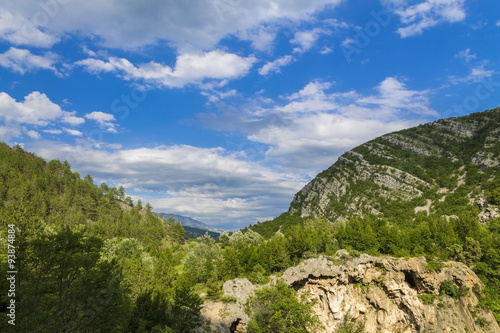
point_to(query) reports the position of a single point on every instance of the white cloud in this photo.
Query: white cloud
(211, 184)
(52, 131)
(22, 61)
(73, 132)
(311, 98)
(261, 37)
(307, 133)
(18, 29)
(426, 14)
(36, 109)
(393, 95)
(466, 55)
(318, 126)
(347, 41)
(326, 50)
(70, 119)
(189, 68)
(199, 24)
(274, 66)
(33, 134)
(103, 119)
(214, 95)
(313, 142)
(9, 132)
(476, 74)
(306, 39)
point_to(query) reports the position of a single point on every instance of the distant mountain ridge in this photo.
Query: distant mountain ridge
(192, 223)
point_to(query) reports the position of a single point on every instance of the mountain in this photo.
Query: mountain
(444, 167)
(193, 227)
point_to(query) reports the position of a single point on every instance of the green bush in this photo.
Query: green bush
(448, 287)
(427, 298)
(434, 266)
(277, 309)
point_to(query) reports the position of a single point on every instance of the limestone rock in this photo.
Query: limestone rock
(386, 294)
(241, 289)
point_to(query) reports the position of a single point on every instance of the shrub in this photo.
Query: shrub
(427, 298)
(448, 287)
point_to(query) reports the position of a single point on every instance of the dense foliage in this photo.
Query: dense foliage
(87, 259)
(90, 260)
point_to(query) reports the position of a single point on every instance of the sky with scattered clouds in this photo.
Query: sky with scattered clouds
(222, 110)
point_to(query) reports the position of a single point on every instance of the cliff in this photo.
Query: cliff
(382, 293)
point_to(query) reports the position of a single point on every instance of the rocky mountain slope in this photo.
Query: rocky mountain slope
(440, 167)
(385, 294)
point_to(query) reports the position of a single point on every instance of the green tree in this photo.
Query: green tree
(66, 288)
(277, 309)
(150, 311)
(185, 310)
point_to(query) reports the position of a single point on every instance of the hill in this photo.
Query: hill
(82, 257)
(442, 168)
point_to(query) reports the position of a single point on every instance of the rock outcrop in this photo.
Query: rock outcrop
(385, 294)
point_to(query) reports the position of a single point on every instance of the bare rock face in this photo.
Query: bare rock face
(241, 289)
(390, 295)
(386, 294)
(221, 316)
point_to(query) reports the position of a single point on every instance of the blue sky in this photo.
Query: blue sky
(223, 109)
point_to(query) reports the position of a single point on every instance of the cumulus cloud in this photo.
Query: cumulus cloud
(274, 66)
(22, 60)
(393, 96)
(8, 132)
(72, 131)
(198, 24)
(189, 68)
(104, 120)
(36, 109)
(426, 14)
(34, 112)
(33, 134)
(52, 131)
(476, 69)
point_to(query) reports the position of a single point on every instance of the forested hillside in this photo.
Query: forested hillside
(87, 259)
(90, 260)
